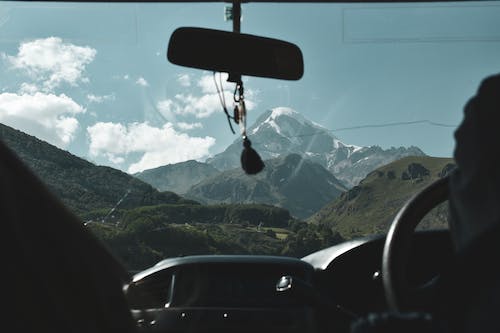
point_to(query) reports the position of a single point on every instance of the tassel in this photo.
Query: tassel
(250, 160)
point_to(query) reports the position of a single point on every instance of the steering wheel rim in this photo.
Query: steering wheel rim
(398, 242)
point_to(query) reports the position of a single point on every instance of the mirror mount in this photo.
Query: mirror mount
(235, 78)
(236, 17)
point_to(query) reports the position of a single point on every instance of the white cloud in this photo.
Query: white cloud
(108, 138)
(188, 126)
(205, 105)
(100, 99)
(116, 159)
(121, 77)
(46, 116)
(167, 108)
(28, 88)
(158, 146)
(201, 107)
(142, 82)
(207, 84)
(51, 62)
(184, 80)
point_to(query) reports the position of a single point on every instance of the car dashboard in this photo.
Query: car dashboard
(239, 293)
(351, 273)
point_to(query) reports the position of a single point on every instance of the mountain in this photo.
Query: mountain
(291, 182)
(370, 207)
(177, 177)
(81, 185)
(148, 225)
(284, 131)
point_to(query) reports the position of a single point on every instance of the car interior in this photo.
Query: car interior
(60, 277)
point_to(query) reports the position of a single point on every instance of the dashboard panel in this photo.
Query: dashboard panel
(350, 273)
(222, 293)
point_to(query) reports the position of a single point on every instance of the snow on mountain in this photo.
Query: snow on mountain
(275, 120)
(282, 131)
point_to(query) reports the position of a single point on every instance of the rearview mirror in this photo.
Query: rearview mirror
(235, 53)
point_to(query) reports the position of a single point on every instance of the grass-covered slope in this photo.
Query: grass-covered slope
(370, 207)
(142, 236)
(81, 185)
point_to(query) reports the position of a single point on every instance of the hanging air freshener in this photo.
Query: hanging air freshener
(250, 160)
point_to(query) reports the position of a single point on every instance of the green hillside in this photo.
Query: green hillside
(148, 225)
(370, 207)
(239, 214)
(81, 185)
(142, 236)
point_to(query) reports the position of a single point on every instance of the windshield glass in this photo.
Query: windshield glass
(154, 169)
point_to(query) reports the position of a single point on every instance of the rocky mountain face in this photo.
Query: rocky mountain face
(292, 182)
(370, 207)
(178, 177)
(284, 131)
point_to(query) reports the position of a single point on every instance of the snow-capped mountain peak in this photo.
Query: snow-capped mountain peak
(337, 144)
(283, 110)
(284, 120)
(282, 131)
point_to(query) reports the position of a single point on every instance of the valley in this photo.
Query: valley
(316, 193)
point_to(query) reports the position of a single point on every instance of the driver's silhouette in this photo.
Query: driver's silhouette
(469, 295)
(473, 295)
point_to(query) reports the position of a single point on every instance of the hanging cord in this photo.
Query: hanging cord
(222, 91)
(240, 110)
(236, 90)
(222, 99)
(251, 162)
(250, 159)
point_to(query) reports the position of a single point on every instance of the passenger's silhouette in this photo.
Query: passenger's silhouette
(56, 276)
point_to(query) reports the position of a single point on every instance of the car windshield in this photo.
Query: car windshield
(153, 168)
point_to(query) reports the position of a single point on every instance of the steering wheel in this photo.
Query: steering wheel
(398, 242)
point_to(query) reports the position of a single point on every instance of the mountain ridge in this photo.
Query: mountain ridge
(291, 182)
(283, 131)
(178, 177)
(80, 184)
(150, 225)
(370, 207)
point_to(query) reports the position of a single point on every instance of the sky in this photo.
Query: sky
(93, 79)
